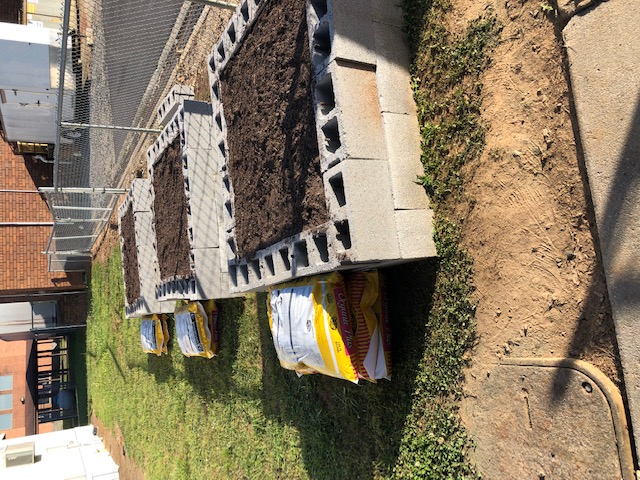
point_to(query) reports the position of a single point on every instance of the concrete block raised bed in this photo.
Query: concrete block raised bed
(368, 144)
(140, 245)
(203, 273)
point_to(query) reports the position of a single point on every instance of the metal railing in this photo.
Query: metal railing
(117, 62)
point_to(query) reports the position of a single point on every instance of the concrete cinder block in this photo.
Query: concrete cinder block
(394, 80)
(367, 206)
(176, 289)
(206, 211)
(196, 122)
(388, 11)
(210, 280)
(170, 104)
(351, 30)
(359, 119)
(415, 234)
(402, 135)
(141, 195)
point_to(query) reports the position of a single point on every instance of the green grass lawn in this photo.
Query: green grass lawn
(240, 415)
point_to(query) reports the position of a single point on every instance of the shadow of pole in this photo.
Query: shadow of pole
(596, 319)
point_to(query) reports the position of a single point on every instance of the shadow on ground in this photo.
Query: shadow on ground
(596, 325)
(347, 430)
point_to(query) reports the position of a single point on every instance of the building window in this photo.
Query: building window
(6, 382)
(6, 401)
(6, 421)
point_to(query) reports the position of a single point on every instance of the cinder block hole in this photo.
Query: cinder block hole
(191, 238)
(256, 2)
(344, 236)
(320, 7)
(219, 121)
(187, 187)
(337, 185)
(233, 274)
(301, 254)
(284, 254)
(255, 267)
(226, 182)
(232, 245)
(332, 135)
(232, 33)
(321, 43)
(185, 162)
(244, 273)
(212, 64)
(221, 51)
(222, 149)
(325, 95)
(189, 210)
(270, 269)
(216, 90)
(228, 208)
(244, 11)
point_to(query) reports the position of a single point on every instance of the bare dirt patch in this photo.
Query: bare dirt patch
(274, 162)
(130, 257)
(170, 214)
(540, 286)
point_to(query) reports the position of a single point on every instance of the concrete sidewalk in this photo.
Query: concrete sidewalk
(604, 57)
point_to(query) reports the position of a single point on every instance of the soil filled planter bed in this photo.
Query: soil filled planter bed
(130, 257)
(316, 133)
(170, 213)
(187, 207)
(139, 264)
(274, 162)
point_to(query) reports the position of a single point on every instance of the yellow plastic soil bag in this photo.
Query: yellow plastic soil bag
(309, 320)
(370, 321)
(154, 334)
(196, 329)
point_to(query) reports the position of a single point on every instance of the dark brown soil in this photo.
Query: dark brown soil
(170, 210)
(130, 257)
(274, 163)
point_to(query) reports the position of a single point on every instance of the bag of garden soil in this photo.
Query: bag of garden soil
(370, 322)
(154, 334)
(310, 324)
(197, 329)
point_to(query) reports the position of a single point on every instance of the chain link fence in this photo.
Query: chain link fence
(118, 60)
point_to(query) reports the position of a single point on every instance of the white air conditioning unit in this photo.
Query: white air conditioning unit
(20, 454)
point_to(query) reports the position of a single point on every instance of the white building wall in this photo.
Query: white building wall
(74, 453)
(29, 64)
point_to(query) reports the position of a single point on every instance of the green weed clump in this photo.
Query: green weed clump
(446, 70)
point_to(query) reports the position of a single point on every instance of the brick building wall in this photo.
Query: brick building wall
(23, 268)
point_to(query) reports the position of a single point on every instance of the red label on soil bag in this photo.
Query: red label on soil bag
(342, 307)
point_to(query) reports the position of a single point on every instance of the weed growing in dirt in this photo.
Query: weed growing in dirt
(446, 71)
